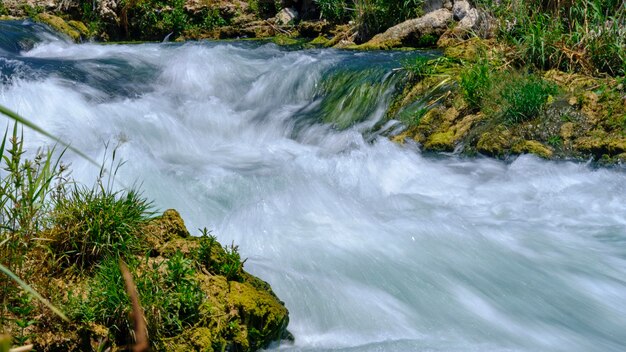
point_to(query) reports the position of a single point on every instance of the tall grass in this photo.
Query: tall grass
(475, 83)
(575, 35)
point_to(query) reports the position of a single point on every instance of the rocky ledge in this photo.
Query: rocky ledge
(194, 294)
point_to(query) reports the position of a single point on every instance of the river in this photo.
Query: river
(372, 245)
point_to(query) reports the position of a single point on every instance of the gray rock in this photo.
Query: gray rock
(286, 16)
(471, 20)
(107, 10)
(408, 32)
(460, 9)
(433, 5)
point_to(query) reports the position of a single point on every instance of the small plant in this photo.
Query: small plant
(475, 83)
(205, 249)
(232, 265)
(555, 141)
(185, 293)
(419, 68)
(22, 308)
(106, 301)
(523, 99)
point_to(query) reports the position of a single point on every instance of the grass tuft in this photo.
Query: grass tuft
(94, 223)
(522, 100)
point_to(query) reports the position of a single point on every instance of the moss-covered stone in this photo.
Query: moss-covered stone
(494, 143)
(441, 141)
(532, 147)
(236, 312)
(59, 24)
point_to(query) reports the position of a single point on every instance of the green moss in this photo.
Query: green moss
(58, 24)
(494, 143)
(80, 27)
(319, 41)
(532, 147)
(284, 40)
(442, 141)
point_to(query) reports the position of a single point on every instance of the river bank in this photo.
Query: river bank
(458, 103)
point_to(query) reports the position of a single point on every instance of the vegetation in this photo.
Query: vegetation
(524, 98)
(475, 83)
(586, 36)
(66, 241)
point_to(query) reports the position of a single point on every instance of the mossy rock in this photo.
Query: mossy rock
(441, 141)
(80, 27)
(602, 144)
(235, 310)
(162, 230)
(495, 143)
(532, 147)
(59, 25)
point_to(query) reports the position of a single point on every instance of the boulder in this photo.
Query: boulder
(412, 32)
(460, 9)
(286, 16)
(470, 20)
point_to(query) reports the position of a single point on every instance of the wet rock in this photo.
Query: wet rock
(532, 147)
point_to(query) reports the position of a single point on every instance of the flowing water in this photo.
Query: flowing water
(372, 246)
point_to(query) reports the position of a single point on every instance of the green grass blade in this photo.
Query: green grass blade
(32, 291)
(13, 115)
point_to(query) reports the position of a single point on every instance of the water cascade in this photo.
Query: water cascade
(373, 246)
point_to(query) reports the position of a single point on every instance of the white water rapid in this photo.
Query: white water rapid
(372, 246)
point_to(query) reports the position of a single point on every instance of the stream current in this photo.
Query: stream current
(371, 245)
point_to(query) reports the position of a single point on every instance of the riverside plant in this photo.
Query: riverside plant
(86, 230)
(523, 100)
(475, 83)
(588, 36)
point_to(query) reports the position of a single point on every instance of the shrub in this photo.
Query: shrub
(333, 10)
(475, 83)
(154, 19)
(523, 99)
(93, 223)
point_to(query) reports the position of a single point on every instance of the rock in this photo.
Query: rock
(107, 10)
(286, 16)
(410, 32)
(58, 24)
(532, 147)
(460, 9)
(162, 230)
(470, 20)
(433, 5)
(313, 29)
